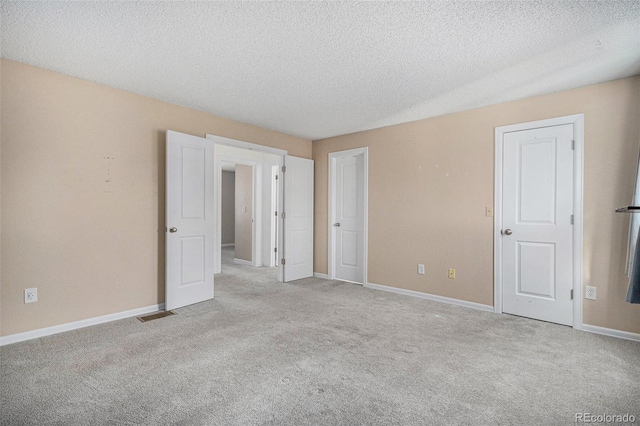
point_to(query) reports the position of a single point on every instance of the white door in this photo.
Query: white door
(348, 218)
(298, 222)
(537, 231)
(190, 220)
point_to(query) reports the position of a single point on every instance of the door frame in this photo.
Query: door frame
(273, 202)
(577, 120)
(256, 224)
(332, 192)
(220, 140)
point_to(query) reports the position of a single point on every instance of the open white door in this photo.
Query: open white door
(190, 220)
(298, 222)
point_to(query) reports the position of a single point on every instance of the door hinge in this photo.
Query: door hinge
(573, 144)
(284, 215)
(282, 261)
(276, 177)
(275, 249)
(571, 294)
(572, 219)
(276, 214)
(284, 169)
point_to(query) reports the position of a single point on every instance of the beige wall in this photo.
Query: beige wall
(430, 181)
(228, 196)
(244, 213)
(82, 195)
(83, 170)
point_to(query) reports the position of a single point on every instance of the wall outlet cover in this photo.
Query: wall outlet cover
(30, 295)
(590, 293)
(420, 269)
(452, 273)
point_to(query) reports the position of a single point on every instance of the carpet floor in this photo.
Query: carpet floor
(317, 352)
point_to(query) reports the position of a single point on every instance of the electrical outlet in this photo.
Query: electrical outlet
(488, 211)
(30, 295)
(452, 273)
(420, 269)
(590, 293)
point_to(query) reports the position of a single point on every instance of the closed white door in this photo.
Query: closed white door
(537, 230)
(348, 218)
(298, 222)
(190, 220)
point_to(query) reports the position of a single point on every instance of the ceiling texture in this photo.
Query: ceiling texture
(320, 69)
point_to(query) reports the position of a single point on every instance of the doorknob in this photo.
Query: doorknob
(507, 232)
(336, 224)
(173, 229)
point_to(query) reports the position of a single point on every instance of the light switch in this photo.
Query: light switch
(420, 269)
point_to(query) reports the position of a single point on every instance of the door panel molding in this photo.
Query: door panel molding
(331, 207)
(577, 121)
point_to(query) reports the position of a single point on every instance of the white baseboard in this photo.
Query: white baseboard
(611, 332)
(48, 331)
(319, 275)
(243, 262)
(430, 297)
(227, 245)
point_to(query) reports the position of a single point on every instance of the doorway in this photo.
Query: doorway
(348, 215)
(538, 220)
(193, 213)
(253, 206)
(270, 203)
(237, 212)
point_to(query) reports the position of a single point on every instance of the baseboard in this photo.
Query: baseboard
(319, 275)
(243, 262)
(433, 297)
(227, 245)
(48, 331)
(611, 332)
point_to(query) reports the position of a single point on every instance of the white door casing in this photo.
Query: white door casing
(298, 222)
(189, 220)
(273, 214)
(538, 220)
(249, 153)
(347, 216)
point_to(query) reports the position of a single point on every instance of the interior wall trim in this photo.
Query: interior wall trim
(48, 331)
(611, 332)
(429, 296)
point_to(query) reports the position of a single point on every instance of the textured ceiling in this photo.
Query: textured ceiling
(319, 69)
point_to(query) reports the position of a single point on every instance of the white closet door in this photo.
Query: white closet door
(348, 222)
(537, 230)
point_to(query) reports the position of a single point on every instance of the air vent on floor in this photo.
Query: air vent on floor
(155, 316)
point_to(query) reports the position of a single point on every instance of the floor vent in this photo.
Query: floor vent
(155, 316)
